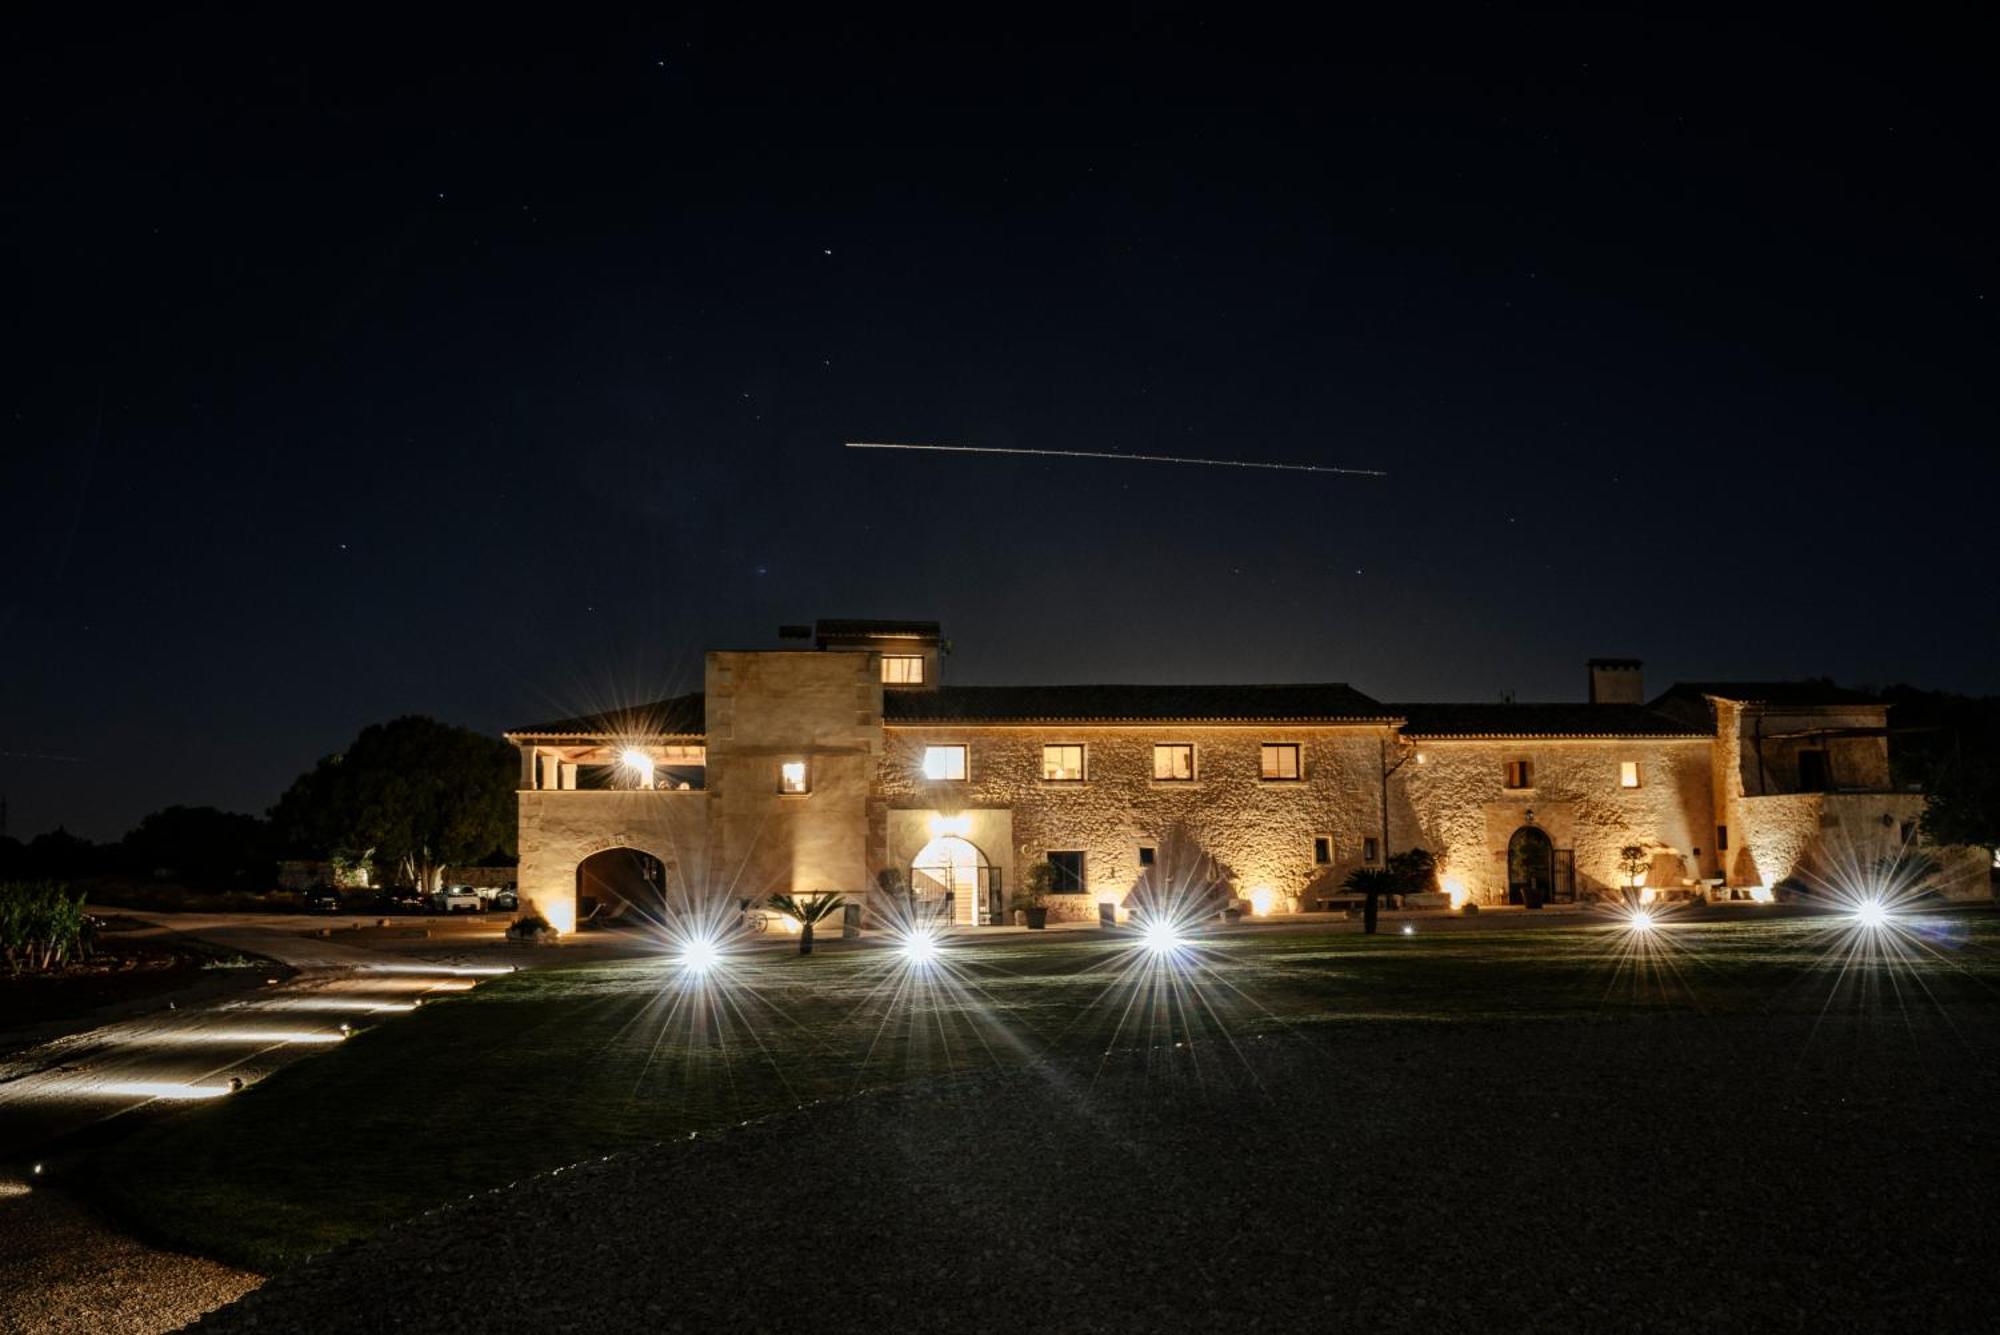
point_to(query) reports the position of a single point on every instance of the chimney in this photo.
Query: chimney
(1616, 681)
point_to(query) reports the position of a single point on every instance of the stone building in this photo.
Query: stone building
(821, 768)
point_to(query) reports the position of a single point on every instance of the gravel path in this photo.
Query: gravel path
(62, 1269)
(1638, 1174)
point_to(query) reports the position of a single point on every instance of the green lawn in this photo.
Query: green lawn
(546, 1067)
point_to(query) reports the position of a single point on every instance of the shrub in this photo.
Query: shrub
(530, 926)
(41, 924)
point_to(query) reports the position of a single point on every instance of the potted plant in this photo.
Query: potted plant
(1032, 899)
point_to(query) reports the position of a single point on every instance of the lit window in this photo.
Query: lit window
(792, 777)
(1519, 775)
(1280, 760)
(1068, 879)
(1322, 850)
(902, 669)
(944, 762)
(1062, 763)
(1628, 774)
(1173, 762)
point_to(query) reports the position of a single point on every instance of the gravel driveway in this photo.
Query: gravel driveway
(1663, 1173)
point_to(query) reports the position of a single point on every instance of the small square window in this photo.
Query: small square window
(944, 762)
(1173, 762)
(1279, 760)
(1322, 850)
(1519, 774)
(902, 669)
(1146, 855)
(792, 777)
(1062, 763)
(1628, 774)
(1370, 850)
(1068, 879)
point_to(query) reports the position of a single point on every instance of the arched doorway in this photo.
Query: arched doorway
(620, 883)
(1531, 867)
(948, 879)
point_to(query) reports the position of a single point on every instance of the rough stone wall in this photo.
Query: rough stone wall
(1262, 831)
(823, 707)
(559, 829)
(1456, 804)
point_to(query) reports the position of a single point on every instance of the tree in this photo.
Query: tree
(1950, 746)
(806, 910)
(414, 794)
(1633, 860)
(201, 847)
(1371, 883)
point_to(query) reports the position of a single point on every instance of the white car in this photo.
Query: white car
(455, 897)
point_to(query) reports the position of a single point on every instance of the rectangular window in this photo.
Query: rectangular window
(792, 777)
(1279, 760)
(1370, 850)
(1146, 855)
(902, 669)
(1722, 838)
(1068, 879)
(1628, 774)
(1519, 775)
(1322, 850)
(1173, 762)
(1062, 763)
(944, 762)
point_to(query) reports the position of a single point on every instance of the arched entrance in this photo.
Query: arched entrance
(948, 879)
(1531, 867)
(620, 883)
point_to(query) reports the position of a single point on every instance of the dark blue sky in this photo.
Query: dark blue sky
(363, 370)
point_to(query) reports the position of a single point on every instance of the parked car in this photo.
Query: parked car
(323, 899)
(506, 900)
(455, 897)
(403, 899)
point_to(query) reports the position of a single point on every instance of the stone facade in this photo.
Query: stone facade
(1676, 777)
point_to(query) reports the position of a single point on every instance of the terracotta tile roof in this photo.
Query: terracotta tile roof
(1540, 720)
(1333, 702)
(679, 717)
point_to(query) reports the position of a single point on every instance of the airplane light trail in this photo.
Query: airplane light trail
(1124, 458)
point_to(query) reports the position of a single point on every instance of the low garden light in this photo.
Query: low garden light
(700, 955)
(921, 947)
(1409, 929)
(1871, 913)
(1641, 921)
(1162, 938)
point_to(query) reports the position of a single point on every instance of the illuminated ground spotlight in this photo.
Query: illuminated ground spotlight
(1640, 921)
(700, 954)
(1163, 938)
(173, 1091)
(1409, 929)
(260, 1037)
(921, 946)
(458, 970)
(1871, 913)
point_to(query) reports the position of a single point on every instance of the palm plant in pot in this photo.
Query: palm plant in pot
(1032, 899)
(806, 910)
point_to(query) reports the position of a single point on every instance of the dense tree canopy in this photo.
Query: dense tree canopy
(202, 847)
(1950, 744)
(414, 794)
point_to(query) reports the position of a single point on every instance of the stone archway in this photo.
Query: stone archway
(627, 884)
(949, 877)
(1531, 867)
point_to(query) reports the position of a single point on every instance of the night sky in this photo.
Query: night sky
(497, 372)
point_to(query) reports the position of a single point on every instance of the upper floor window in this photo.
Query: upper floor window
(1628, 774)
(902, 669)
(1279, 760)
(1062, 762)
(1173, 762)
(944, 762)
(1520, 774)
(1147, 855)
(792, 777)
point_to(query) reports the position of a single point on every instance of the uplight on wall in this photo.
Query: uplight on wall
(1262, 900)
